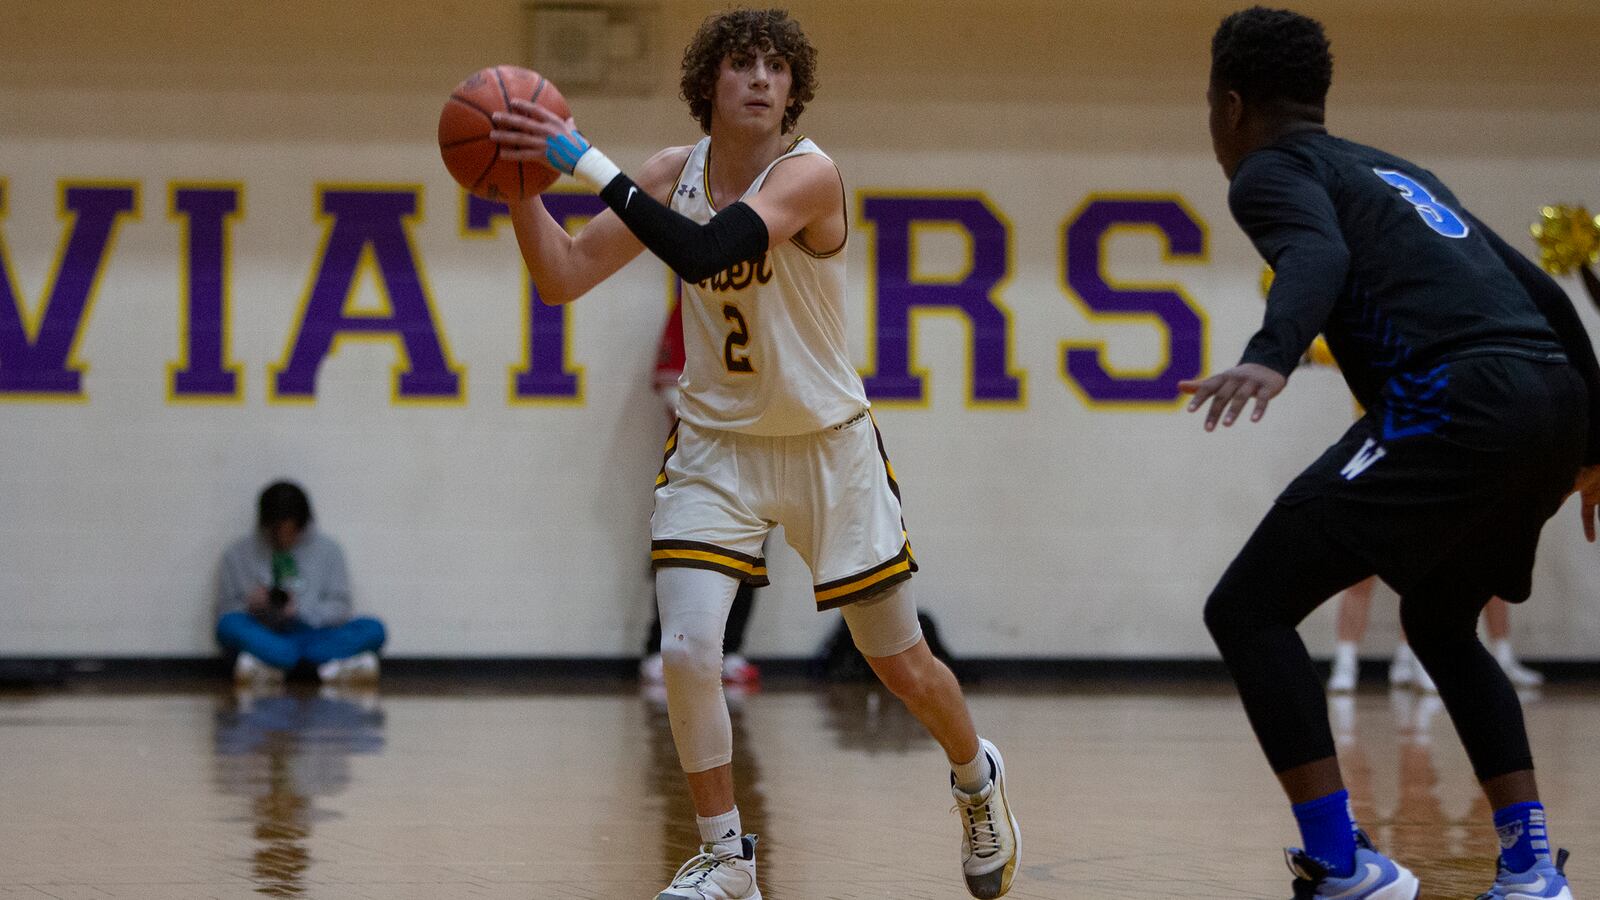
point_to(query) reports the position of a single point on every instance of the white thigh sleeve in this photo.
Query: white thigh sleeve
(886, 624)
(694, 606)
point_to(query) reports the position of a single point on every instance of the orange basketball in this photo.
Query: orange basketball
(464, 125)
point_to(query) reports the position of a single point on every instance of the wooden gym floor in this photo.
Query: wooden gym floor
(422, 792)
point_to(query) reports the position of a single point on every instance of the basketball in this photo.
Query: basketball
(464, 125)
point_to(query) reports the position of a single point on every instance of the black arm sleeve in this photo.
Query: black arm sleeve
(696, 252)
(1290, 218)
(1557, 308)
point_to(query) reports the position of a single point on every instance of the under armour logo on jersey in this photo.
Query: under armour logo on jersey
(688, 190)
(1369, 453)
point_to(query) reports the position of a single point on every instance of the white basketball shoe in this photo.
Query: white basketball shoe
(991, 842)
(709, 875)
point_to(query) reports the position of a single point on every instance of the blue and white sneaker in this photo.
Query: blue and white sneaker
(1377, 877)
(1545, 880)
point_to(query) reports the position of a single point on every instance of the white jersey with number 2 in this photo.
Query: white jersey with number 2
(764, 341)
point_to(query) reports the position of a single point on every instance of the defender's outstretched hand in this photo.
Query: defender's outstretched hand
(532, 133)
(1587, 488)
(1229, 391)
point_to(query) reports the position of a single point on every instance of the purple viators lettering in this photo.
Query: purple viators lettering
(363, 218)
(546, 375)
(203, 373)
(41, 363)
(899, 295)
(1185, 328)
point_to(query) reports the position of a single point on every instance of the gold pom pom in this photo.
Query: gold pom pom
(1568, 238)
(1266, 280)
(1320, 354)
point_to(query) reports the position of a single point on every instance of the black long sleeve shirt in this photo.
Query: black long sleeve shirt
(1378, 255)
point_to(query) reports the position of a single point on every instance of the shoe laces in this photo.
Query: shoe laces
(694, 873)
(979, 820)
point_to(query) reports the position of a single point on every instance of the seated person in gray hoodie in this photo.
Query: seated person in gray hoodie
(284, 598)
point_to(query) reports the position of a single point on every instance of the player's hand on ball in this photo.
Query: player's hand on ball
(1229, 391)
(530, 132)
(1588, 490)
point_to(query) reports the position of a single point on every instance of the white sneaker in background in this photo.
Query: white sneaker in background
(1346, 668)
(331, 671)
(1404, 668)
(361, 668)
(1424, 681)
(651, 670)
(249, 669)
(1520, 675)
(738, 670)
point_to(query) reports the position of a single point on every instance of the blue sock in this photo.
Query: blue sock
(1329, 832)
(1522, 835)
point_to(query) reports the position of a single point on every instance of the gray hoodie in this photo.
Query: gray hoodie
(321, 589)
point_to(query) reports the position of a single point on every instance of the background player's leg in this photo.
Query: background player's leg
(737, 670)
(1355, 607)
(1497, 622)
(738, 618)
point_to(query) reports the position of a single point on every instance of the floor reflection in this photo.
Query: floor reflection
(283, 750)
(867, 717)
(679, 835)
(1442, 832)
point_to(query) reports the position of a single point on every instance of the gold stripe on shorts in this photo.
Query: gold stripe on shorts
(666, 454)
(699, 555)
(865, 584)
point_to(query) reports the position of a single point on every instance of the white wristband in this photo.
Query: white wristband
(595, 170)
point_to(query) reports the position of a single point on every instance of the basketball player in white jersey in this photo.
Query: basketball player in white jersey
(774, 424)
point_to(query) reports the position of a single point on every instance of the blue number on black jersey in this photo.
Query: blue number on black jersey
(1439, 217)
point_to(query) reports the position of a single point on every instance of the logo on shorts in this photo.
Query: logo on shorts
(1369, 453)
(850, 421)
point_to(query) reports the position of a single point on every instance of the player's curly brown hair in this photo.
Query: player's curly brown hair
(743, 31)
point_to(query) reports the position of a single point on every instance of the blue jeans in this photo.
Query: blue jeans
(297, 641)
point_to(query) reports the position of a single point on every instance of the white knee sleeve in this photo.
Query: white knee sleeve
(694, 606)
(886, 624)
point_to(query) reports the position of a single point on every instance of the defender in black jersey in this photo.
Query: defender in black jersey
(1483, 413)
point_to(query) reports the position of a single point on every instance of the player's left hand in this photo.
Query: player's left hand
(1229, 391)
(532, 133)
(1588, 489)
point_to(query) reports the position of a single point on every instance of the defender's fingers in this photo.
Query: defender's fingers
(1219, 402)
(1262, 399)
(1202, 390)
(1240, 398)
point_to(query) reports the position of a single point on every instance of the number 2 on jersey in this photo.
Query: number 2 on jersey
(733, 349)
(1434, 213)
